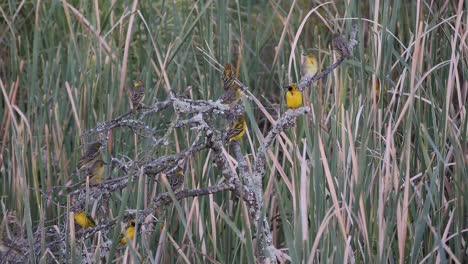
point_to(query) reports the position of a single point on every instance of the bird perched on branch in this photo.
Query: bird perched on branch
(96, 172)
(237, 129)
(91, 154)
(176, 179)
(136, 94)
(83, 219)
(228, 76)
(232, 91)
(293, 96)
(309, 66)
(339, 44)
(129, 233)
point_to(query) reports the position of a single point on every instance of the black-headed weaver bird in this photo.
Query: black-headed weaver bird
(83, 219)
(293, 96)
(237, 129)
(136, 94)
(90, 156)
(309, 66)
(96, 172)
(129, 232)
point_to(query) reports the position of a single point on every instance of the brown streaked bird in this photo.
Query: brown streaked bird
(176, 179)
(232, 91)
(136, 94)
(232, 95)
(91, 154)
(339, 44)
(228, 76)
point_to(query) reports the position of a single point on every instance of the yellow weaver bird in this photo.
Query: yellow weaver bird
(83, 219)
(136, 94)
(237, 129)
(293, 96)
(232, 91)
(176, 179)
(96, 172)
(309, 66)
(91, 154)
(129, 233)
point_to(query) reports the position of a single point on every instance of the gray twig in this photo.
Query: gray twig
(165, 198)
(306, 82)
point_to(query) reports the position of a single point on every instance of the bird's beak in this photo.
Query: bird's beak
(286, 87)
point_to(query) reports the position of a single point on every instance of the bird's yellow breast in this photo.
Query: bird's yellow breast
(100, 173)
(293, 99)
(83, 219)
(309, 66)
(241, 127)
(130, 232)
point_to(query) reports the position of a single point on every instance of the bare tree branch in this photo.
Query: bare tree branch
(306, 82)
(165, 198)
(199, 116)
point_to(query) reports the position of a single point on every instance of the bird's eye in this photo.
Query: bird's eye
(289, 88)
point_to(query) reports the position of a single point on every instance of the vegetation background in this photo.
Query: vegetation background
(387, 134)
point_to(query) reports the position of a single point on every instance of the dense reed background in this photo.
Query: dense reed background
(374, 174)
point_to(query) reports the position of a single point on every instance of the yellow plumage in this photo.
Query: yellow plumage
(96, 172)
(129, 232)
(91, 154)
(309, 65)
(237, 129)
(293, 96)
(83, 219)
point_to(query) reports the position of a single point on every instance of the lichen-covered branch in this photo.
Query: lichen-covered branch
(267, 250)
(150, 168)
(198, 117)
(19, 250)
(165, 198)
(348, 45)
(128, 120)
(262, 227)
